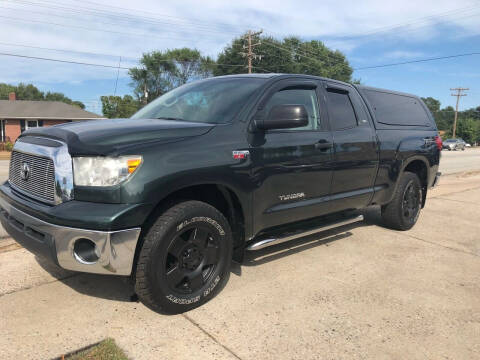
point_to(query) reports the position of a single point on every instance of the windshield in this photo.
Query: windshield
(208, 101)
(450, 140)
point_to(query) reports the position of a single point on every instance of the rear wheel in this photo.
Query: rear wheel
(185, 258)
(404, 209)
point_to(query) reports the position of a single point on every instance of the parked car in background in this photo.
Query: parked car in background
(454, 144)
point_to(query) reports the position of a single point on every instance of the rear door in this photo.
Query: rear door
(355, 148)
(292, 167)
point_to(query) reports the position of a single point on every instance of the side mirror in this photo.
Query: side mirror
(284, 117)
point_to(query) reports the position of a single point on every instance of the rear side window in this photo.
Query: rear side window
(395, 109)
(340, 110)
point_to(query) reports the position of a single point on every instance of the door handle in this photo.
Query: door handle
(323, 145)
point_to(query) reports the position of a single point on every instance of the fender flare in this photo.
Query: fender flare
(405, 162)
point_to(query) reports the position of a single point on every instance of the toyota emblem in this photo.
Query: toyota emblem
(25, 171)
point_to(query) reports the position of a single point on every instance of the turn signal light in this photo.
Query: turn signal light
(133, 164)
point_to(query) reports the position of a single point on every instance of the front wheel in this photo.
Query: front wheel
(404, 209)
(185, 258)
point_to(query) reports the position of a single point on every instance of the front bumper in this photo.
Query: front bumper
(114, 250)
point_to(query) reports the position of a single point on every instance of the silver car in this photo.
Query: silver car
(454, 144)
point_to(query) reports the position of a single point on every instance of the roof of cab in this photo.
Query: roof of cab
(363, 87)
(280, 75)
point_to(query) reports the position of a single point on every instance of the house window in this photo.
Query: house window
(31, 124)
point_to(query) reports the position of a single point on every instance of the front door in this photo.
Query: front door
(291, 167)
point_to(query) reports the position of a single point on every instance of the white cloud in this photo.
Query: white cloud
(206, 25)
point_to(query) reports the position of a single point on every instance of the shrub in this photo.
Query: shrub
(8, 146)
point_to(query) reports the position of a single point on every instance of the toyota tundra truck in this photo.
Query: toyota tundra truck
(213, 169)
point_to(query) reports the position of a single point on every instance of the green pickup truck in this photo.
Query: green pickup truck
(212, 169)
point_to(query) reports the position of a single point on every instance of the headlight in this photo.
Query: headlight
(104, 171)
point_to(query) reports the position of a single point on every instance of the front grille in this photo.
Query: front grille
(41, 177)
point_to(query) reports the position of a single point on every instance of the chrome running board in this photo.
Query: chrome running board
(260, 244)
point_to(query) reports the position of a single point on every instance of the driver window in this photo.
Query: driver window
(305, 97)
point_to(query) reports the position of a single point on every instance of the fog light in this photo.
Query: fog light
(84, 251)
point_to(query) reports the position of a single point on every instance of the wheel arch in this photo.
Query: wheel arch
(220, 196)
(417, 165)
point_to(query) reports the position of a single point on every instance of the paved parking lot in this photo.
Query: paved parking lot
(361, 291)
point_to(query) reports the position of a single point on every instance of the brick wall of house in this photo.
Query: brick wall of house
(12, 129)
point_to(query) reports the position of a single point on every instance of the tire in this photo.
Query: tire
(185, 258)
(404, 209)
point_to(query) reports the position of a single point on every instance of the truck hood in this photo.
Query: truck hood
(107, 137)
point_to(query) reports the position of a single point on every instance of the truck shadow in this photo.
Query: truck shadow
(109, 287)
(276, 252)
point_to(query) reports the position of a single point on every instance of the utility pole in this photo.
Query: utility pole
(250, 55)
(458, 95)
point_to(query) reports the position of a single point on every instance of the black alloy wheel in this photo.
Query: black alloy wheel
(192, 258)
(185, 258)
(411, 202)
(403, 211)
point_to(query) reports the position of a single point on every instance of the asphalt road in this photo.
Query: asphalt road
(451, 162)
(460, 161)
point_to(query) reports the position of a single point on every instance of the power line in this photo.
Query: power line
(117, 14)
(298, 53)
(96, 64)
(417, 61)
(101, 13)
(205, 23)
(91, 29)
(209, 25)
(65, 61)
(66, 50)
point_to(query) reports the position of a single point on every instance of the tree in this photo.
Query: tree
(31, 92)
(162, 71)
(432, 104)
(290, 55)
(467, 129)
(444, 119)
(118, 107)
(60, 97)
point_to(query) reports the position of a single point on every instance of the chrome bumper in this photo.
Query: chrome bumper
(115, 249)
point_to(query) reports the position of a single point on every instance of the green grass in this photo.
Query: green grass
(105, 350)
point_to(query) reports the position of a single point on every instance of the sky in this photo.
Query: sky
(368, 32)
